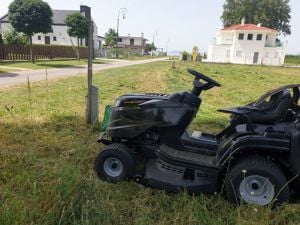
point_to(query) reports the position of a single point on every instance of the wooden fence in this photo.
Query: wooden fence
(22, 52)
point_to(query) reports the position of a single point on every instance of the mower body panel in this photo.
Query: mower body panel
(133, 115)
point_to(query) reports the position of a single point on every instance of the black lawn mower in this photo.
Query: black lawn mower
(255, 159)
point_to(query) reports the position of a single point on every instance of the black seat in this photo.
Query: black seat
(269, 111)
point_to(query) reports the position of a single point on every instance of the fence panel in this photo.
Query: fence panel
(22, 52)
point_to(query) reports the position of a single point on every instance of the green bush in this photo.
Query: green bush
(185, 55)
(1, 40)
(14, 38)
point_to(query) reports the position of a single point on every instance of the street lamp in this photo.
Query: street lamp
(122, 11)
(167, 42)
(154, 34)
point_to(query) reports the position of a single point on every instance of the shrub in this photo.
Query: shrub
(185, 55)
(13, 37)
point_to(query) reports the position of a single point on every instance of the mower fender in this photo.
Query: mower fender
(253, 144)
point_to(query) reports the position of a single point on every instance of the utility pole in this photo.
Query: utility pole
(167, 42)
(93, 92)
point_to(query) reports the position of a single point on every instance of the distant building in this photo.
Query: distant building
(247, 44)
(59, 36)
(135, 44)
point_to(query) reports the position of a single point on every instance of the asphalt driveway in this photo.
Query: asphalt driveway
(20, 77)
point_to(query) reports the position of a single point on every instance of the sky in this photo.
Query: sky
(175, 24)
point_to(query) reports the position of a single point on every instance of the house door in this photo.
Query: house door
(255, 57)
(47, 40)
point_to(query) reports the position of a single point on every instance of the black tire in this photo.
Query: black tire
(115, 163)
(256, 180)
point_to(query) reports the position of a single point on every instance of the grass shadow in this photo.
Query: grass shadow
(7, 74)
(52, 65)
(100, 62)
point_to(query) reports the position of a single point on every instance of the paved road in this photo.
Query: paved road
(20, 77)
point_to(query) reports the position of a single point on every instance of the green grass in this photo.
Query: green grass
(292, 59)
(47, 151)
(41, 64)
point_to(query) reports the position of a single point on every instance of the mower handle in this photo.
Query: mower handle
(198, 86)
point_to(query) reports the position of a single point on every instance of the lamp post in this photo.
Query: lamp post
(167, 42)
(122, 11)
(154, 34)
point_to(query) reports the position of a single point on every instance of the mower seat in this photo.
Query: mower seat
(269, 111)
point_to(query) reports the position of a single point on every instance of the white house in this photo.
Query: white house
(137, 44)
(59, 36)
(247, 44)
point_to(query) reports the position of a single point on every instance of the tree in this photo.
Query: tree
(30, 17)
(78, 26)
(1, 40)
(15, 38)
(150, 47)
(111, 37)
(270, 13)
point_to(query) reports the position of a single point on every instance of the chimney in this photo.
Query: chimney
(142, 35)
(243, 21)
(128, 35)
(259, 25)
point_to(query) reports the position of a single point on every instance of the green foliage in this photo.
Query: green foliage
(195, 50)
(13, 37)
(271, 13)
(77, 25)
(111, 37)
(150, 47)
(1, 40)
(30, 16)
(184, 55)
(204, 55)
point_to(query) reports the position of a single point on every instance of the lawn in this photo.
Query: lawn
(41, 64)
(292, 59)
(47, 151)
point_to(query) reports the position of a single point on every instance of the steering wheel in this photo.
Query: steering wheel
(198, 86)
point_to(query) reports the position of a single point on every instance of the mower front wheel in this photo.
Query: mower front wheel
(115, 163)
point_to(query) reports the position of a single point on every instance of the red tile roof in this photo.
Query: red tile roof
(248, 27)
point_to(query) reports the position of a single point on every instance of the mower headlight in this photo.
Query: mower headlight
(117, 103)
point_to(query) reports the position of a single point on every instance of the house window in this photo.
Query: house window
(54, 38)
(120, 40)
(250, 37)
(131, 41)
(238, 53)
(259, 37)
(241, 36)
(39, 38)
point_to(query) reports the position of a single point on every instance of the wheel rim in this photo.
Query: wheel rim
(113, 167)
(257, 190)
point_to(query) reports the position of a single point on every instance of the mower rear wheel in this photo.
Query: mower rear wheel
(115, 163)
(256, 180)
